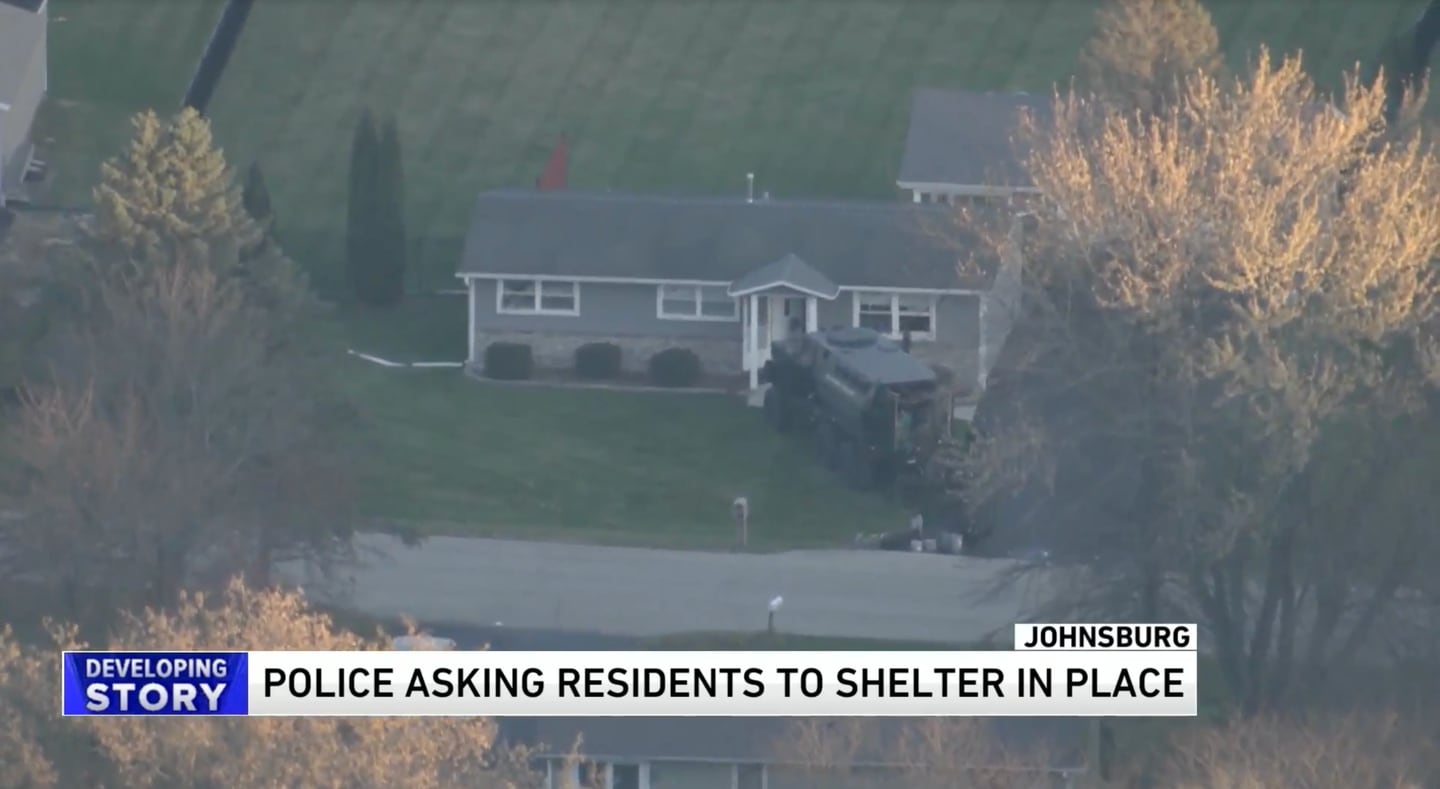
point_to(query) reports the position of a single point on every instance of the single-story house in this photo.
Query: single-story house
(752, 753)
(963, 145)
(24, 78)
(725, 277)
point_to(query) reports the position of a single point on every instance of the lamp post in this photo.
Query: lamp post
(774, 606)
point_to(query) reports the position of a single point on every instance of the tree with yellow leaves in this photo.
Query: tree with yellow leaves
(172, 193)
(39, 750)
(1216, 403)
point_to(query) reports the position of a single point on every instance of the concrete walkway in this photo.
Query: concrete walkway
(646, 592)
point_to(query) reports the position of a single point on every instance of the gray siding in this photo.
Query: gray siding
(625, 314)
(621, 313)
(606, 310)
(690, 775)
(23, 106)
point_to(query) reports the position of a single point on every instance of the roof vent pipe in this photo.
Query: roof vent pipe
(749, 187)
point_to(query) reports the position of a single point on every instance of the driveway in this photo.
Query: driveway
(641, 592)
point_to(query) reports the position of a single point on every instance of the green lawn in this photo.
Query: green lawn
(452, 455)
(682, 95)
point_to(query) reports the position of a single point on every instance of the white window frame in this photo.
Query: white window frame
(538, 297)
(697, 299)
(895, 298)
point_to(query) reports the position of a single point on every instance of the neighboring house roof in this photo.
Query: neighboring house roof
(21, 31)
(755, 740)
(969, 139)
(789, 272)
(581, 234)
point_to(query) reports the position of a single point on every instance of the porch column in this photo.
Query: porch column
(812, 314)
(753, 340)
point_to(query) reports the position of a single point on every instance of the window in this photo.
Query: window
(538, 297)
(697, 303)
(894, 314)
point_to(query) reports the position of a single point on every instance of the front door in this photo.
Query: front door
(787, 316)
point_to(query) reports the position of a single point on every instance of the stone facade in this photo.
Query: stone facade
(556, 351)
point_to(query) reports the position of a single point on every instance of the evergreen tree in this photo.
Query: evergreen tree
(362, 262)
(171, 195)
(255, 196)
(390, 215)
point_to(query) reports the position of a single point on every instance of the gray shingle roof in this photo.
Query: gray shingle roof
(20, 32)
(1060, 741)
(789, 271)
(960, 137)
(714, 239)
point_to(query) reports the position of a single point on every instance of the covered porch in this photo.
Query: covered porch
(777, 300)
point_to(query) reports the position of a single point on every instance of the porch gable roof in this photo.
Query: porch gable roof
(787, 272)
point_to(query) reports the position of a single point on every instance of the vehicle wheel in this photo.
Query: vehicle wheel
(775, 410)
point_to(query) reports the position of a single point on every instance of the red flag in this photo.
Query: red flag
(555, 170)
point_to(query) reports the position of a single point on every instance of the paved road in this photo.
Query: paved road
(645, 592)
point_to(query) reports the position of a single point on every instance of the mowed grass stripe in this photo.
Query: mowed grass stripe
(753, 145)
(862, 43)
(313, 146)
(721, 127)
(699, 163)
(376, 83)
(281, 43)
(660, 34)
(1362, 31)
(540, 77)
(891, 106)
(464, 35)
(540, 149)
(107, 62)
(1008, 44)
(386, 82)
(643, 159)
(459, 57)
(607, 48)
(689, 93)
(957, 49)
(505, 82)
(781, 107)
(562, 115)
(1053, 47)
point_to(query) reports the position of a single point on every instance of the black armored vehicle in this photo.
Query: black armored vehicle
(870, 407)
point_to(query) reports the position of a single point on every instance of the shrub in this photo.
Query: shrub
(509, 361)
(597, 360)
(675, 367)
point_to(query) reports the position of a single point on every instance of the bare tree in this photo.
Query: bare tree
(1372, 751)
(169, 443)
(175, 431)
(1142, 49)
(1228, 314)
(218, 752)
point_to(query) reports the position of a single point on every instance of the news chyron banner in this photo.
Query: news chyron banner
(1053, 670)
